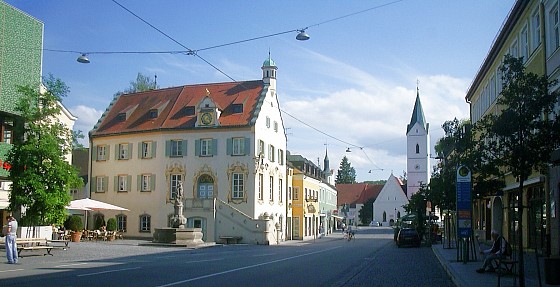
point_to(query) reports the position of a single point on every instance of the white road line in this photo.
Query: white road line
(66, 265)
(207, 260)
(108, 271)
(13, 270)
(246, 267)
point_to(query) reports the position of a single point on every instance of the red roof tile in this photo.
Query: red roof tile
(357, 193)
(171, 104)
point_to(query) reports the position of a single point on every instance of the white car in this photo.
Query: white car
(375, 223)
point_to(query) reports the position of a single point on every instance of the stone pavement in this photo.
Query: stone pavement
(464, 275)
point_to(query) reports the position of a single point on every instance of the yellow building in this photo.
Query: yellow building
(521, 35)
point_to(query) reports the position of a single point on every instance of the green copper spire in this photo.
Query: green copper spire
(417, 114)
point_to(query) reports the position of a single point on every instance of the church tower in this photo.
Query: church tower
(327, 169)
(418, 149)
(269, 72)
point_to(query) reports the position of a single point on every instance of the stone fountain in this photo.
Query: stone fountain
(178, 234)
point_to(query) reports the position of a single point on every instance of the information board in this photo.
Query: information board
(464, 202)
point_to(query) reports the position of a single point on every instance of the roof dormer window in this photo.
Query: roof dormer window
(189, 110)
(153, 113)
(237, 108)
(121, 117)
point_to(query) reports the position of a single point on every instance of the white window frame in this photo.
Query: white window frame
(238, 146)
(146, 182)
(147, 149)
(261, 148)
(174, 180)
(121, 222)
(535, 30)
(268, 122)
(261, 183)
(237, 185)
(280, 188)
(524, 38)
(275, 126)
(206, 147)
(101, 184)
(123, 151)
(145, 223)
(101, 152)
(554, 30)
(281, 156)
(271, 153)
(176, 148)
(122, 181)
(271, 189)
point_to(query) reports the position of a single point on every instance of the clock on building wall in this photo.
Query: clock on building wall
(206, 118)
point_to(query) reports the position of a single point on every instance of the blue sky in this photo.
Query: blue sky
(355, 79)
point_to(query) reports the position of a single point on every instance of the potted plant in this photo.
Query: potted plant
(111, 227)
(76, 225)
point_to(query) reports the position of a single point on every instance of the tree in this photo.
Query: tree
(366, 212)
(521, 137)
(346, 173)
(142, 83)
(41, 177)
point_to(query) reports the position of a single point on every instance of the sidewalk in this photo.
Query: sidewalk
(464, 275)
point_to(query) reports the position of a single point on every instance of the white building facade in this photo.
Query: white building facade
(418, 150)
(223, 142)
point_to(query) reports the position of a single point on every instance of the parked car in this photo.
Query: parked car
(375, 223)
(408, 236)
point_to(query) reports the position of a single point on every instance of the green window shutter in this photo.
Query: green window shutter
(214, 146)
(229, 146)
(116, 151)
(167, 148)
(129, 155)
(105, 183)
(153, 182)
(116, 186)
(154, 148)
(94, 184)
(94, 153)
(139, 182)
(247, 146)
(140, 150)
(128, 182)
(107, 153)
(197, 147)
(184, 147)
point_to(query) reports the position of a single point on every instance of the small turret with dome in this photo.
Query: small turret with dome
(269, 71)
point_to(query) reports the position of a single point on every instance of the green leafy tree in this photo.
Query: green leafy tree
(142, 83)
(521, 137)
(366, 212)
(41, 177)
(346, 173)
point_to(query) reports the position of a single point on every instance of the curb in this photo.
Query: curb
(456, 280)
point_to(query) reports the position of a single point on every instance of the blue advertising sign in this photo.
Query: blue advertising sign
(464, 205)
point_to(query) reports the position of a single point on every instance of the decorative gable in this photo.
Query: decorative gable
(208, 112)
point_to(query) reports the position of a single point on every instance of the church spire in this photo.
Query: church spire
(326, 164)
(417, 113)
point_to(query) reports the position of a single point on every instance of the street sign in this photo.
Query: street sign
(464, 204)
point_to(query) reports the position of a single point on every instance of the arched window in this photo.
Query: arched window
(205, 186)
(384, 216)
(417, 148)
(398, 214)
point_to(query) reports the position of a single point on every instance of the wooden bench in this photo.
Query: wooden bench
(233, 239)
(33, 244)
(64, 243)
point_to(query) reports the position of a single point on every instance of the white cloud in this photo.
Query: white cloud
(87, 118)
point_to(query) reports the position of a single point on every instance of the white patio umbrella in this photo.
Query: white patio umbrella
(88, 204)
(92, 204)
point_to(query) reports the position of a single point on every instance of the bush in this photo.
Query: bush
(111, 224)
(74, 223)
(99, 222)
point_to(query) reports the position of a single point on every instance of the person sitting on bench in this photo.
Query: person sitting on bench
(497, 251)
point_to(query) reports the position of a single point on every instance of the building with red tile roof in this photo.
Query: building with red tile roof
(224, 142)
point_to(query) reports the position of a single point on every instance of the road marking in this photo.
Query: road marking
(246, 267)
(108, 271)
(66, 265)
(13, 270)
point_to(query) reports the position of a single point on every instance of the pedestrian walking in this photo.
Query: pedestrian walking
(11, 247)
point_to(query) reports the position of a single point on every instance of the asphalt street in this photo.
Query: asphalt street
(371, 259)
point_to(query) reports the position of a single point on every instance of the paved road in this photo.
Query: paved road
(371, 259)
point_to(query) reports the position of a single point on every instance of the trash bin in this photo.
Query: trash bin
(551, 267)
